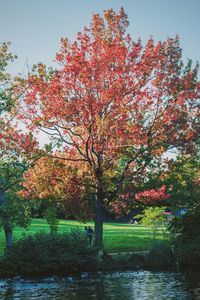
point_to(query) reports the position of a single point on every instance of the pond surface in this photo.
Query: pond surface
(129, 285)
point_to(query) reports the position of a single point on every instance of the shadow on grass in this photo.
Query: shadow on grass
(130, 244)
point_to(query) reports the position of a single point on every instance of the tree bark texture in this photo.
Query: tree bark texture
(7, 228)
(99, 218)
(8, 236)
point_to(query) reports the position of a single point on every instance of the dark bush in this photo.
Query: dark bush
(43, 254)
(137, 260)
(186, 237)
(161, 255)
(122, 261)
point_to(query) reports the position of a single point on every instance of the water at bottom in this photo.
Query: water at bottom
(129, 285)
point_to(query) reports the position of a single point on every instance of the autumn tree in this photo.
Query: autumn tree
(113, 104)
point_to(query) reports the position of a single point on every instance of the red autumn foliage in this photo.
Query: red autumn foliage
(153, 195)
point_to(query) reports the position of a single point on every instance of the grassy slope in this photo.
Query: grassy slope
(117, 236)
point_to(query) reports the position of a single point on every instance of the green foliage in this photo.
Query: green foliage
(49, 254)
(183, 177)
(155, 218)
(11, 169)
(14, 211)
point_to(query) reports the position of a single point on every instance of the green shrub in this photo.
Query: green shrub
(49, 254)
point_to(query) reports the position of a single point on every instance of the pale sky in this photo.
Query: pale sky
(34, 27)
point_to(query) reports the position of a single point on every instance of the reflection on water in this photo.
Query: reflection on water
(139, 285)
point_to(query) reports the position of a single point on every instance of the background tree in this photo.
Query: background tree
(179, 176)
(185, 229)
(14, 212)
(64, 188)
(6, 102)
(113, 105)
(183, 178)
(14, 146)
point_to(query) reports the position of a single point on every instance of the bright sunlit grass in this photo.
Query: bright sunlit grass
(118, 237)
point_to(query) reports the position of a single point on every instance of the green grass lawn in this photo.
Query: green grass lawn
(118, 237)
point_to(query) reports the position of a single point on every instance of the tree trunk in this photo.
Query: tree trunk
(99, 218)
(1, 197)
(6, 226)
(8, 236)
